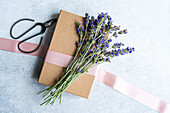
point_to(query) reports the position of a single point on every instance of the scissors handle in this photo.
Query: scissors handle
(28, 39)
(37, 24)
(43, 28)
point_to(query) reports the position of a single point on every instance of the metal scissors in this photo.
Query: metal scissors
(43, 26)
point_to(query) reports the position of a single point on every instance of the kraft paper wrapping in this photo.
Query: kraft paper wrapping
(64, 41)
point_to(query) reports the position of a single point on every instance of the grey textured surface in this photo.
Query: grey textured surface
(148, 68)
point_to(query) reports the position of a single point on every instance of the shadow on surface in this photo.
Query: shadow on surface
(46, 40)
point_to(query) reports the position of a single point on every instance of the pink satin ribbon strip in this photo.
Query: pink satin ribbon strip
(101, 75)
(132, 91)
(62, 60)
(12, 46)
(57, 58)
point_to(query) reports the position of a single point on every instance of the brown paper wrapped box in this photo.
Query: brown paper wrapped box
(64, 41)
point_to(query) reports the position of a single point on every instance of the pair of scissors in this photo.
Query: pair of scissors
(43, 26)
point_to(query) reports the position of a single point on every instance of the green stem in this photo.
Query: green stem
(79, 48)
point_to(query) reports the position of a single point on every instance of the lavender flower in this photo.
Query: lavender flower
(93, 48)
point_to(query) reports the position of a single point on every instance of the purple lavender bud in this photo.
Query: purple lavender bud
(81, 29)
(102, 36)
(115, 34)
(107, 46)
(110, 40)
(86, 14)
(78, 23)
(125, 31)
(96, 62)
(133, 49)
(107, 59)
(122, 53)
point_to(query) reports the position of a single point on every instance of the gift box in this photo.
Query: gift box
(64, 41)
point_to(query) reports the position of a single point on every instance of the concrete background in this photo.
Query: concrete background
(148, 68)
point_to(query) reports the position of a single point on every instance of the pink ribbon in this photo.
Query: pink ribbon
(101, 75)
(132, 91)
(12, 46)
(63, 60)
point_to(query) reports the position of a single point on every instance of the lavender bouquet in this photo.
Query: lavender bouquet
(94, 47)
